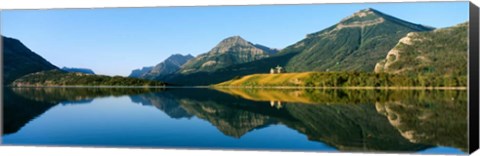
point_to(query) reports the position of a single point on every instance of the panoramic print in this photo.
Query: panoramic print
(372, 77)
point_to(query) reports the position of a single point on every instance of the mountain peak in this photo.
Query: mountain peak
(234, 40)
(230, 42)
(365, 17)
(369, 17)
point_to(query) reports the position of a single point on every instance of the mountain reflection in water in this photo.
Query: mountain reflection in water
(346, 120)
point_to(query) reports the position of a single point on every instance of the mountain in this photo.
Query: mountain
(78, 70)
(18, 60)
(440, 52)
(169, 66)
(356, 43)
(230, 51)
(138, 73)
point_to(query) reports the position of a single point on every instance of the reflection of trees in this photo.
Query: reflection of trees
(77, 94)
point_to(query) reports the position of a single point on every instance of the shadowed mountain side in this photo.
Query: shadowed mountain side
(19, 60)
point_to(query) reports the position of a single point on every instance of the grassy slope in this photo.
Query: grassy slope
(344, 79)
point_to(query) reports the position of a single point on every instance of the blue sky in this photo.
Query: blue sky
(115, 41)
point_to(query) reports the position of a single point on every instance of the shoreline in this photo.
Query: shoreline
(260, 87)
(353, 87)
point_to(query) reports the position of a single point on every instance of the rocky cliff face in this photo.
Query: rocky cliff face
(230, 51)
(441, 52)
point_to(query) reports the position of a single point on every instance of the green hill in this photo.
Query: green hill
(62, 78)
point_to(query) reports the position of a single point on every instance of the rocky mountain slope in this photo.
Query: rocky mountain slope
(440, 52)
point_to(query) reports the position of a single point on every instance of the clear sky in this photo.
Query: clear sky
(117, 40)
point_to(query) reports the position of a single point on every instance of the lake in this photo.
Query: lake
(328, 120)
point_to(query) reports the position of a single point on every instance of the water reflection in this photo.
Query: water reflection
(348, 120)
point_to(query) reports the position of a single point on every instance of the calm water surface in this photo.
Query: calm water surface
(418, 121)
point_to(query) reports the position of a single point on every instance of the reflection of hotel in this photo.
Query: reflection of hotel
(277, 104)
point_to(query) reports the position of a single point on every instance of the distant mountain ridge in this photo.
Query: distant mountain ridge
(230, 51)
(79, 70)
(18, 60)
(169, 66)
(138, 73)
